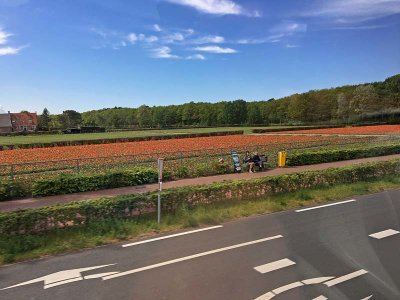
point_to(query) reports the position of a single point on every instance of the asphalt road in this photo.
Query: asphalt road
(323, 253)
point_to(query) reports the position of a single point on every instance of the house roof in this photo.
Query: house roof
(24, 119)
(5, 120)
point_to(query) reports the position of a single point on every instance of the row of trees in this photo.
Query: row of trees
(68, 119)
(337, 105)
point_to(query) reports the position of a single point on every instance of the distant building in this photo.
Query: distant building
(18, 122)
(5, 123)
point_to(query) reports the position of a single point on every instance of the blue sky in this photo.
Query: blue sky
(90, 54)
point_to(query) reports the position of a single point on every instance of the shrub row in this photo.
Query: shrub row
(323, 156)
(74, 183)
(132, 206)
(119, 140)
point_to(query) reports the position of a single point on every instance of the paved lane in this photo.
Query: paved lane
(343, 251)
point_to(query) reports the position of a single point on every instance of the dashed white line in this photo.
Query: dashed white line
(276, 265)
(173, 261)
(345, 278)
(383, 234)
(327, 205)
(171, 236)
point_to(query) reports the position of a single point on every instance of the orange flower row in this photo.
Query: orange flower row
(380, 129)
(156, 146)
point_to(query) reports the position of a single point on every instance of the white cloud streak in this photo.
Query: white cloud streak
(9, 51)
(196, 57)
(163, 52)
(215, 49)
(214, 39)
(216, 7)
(157, 28)
(4, 36)
(345, 11)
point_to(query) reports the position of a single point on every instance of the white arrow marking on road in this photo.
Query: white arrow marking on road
(383, 234)
(327, 205)
(171, 236)
(276, 265)
(59, 278)
(345, 278)
(173, 261)
(366, 298)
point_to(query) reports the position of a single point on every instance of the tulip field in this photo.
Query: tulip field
(362, 130)
(188, 157)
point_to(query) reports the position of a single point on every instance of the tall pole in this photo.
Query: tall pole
(160, 164)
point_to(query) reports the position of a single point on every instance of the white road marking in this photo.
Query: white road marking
(366, 298)
(272, 294)
(383, 234)
(320, 298)
(100, 275)
(327, 205)
(287, 287)
(276, 265)
(173, 261)
(171, 236)
(59, 278)
(316, 280)
(345, 278)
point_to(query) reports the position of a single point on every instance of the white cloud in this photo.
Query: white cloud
(346, 11)
(174, 37)
(9, 51)
(163, 52)
(216, 7)
(132, 38)
(289, 27)
(196, 57)
(151, 39)
(215, 39)
(157, 28)
(215, 49)
(4, 36)
(4, 40)
(292, 46)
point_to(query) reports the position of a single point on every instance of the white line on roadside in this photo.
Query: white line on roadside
(171, 236)
(173, 261)
(382, 234)
(332, 204)
(276, 265)
(345, 278)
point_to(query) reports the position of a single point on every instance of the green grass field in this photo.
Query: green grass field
(30, 139)
(25, 247)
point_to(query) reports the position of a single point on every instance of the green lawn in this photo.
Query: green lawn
(30, 139)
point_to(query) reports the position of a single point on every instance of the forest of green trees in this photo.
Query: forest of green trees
(371, 102)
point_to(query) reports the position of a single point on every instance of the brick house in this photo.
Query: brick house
(24, 121)
(5, 123)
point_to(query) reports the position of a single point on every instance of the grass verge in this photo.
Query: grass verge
(19, 248)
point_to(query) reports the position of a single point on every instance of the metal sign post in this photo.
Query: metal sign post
(160, 163)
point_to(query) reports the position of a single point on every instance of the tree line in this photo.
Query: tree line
(371, 102)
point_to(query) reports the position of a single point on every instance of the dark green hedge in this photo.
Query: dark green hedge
(119, 140)
(132, 206)
(10, 189)
(74, 183)
(323, 156)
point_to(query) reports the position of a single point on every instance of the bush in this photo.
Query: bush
(133, 206)
(323, 156)
(10, 189)
(71, 183)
